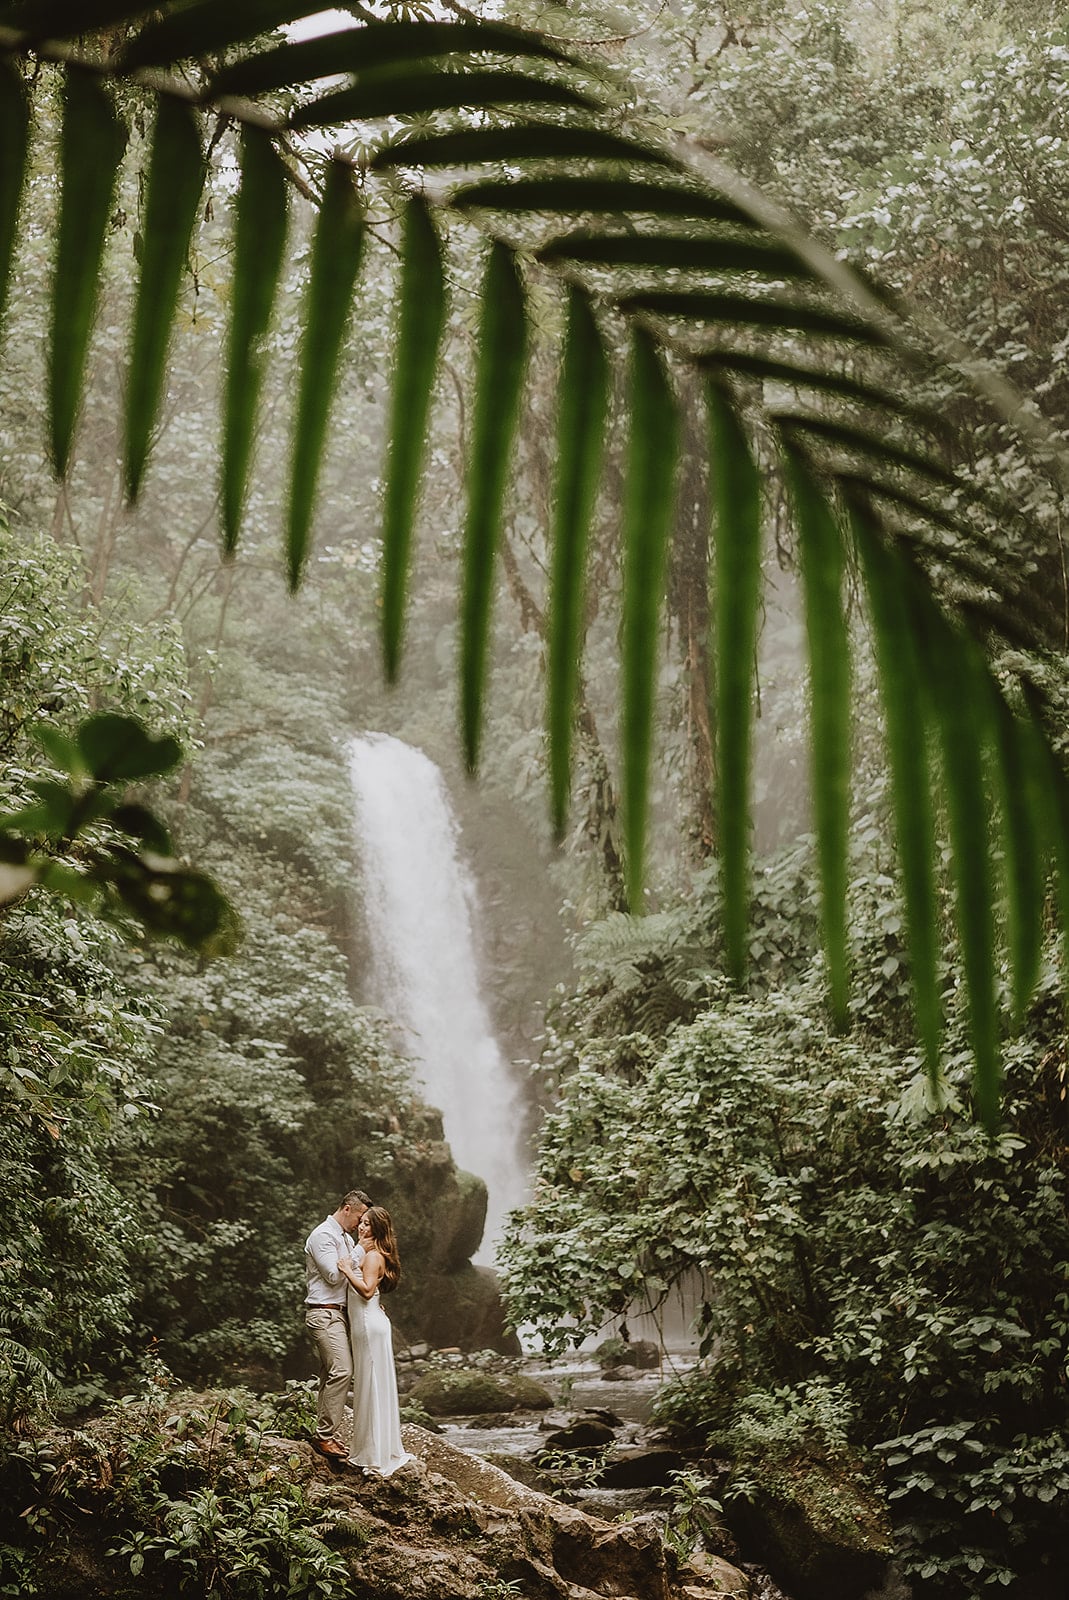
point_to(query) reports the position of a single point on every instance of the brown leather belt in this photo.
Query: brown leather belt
(315, 1305)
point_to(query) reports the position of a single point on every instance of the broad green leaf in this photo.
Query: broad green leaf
(175, 179)
(821, 559)
(685, 253)
(203, 27)
(92, 146)
(648, 519)
(118, 749)
(56, 806)
(582, 402)
(407, 92)
(421, 317)
(143, 824)
(502, 359)
(733, 309)
(615, 196)
(736, 500)
(377, 44)
(14, 142)
(962, 701)
(259, 241)
(60, 749)
(174, 901)
(906, 721)
(336, 253)
(525, 141)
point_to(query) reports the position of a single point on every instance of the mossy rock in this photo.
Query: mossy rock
(460, 1392)
(820, 1527)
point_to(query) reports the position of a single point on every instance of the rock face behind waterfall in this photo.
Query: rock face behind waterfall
(439, 1213)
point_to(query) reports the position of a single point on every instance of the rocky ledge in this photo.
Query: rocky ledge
(450, 1526)
(446, 1526)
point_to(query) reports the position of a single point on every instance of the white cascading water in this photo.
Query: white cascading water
(420, 901)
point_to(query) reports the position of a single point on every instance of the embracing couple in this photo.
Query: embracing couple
(352, 1334)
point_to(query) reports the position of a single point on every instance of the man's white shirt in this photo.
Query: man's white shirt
(326, 1284)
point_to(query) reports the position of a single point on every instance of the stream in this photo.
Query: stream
(578, 1385)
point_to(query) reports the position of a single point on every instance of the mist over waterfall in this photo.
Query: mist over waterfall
(420, 906)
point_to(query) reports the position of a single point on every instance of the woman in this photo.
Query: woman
(376, 1442)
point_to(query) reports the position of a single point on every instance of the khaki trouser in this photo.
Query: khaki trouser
(329, 1332)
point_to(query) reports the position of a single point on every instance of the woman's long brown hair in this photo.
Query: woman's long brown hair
(385, 1241)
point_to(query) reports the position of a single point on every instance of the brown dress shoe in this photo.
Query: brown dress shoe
(331, 1449)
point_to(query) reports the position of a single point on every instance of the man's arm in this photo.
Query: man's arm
(323, 1249)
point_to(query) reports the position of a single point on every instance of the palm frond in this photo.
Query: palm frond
(703, 279)
(736, 494)
(336, 254)
(498, 388)
(259, 244)
(582, 404)
(421, 319)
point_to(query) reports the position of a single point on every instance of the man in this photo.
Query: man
(327, 1324)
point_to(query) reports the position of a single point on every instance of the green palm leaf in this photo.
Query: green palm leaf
(863, 441)
(683, 252)
(259, 241)
(902, 692)
(336, 253)
(421, 317)
(377, 44)
(176, 175)
(14, 142)
(1018, 773)
(68, 19)
(961, 696)
(824, 380)
(649, 512)
(735, 309)
(582, 403)
(93, 141)
(614, 196)
(501, 364)
(821, 556)
(202, 27)
(407, 92)
(525, 141)
(736, 496)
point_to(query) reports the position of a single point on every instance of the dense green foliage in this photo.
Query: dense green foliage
(840, 1231)
(178, 1492)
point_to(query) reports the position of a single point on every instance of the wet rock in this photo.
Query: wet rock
(601, 1414)
(523, 1468)
(640, 1467)
(585, 1433)
(641, 1353)
(619, 1374)
(459, 1392)
(708, 1575)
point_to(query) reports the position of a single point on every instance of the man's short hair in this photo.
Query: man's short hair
(355, 1197)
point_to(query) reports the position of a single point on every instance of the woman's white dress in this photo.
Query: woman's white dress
(376, 1441)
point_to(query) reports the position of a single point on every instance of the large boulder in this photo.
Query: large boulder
(819, 1529)
(640, 1467)
(464, 1392)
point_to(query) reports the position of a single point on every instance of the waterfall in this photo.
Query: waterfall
(420, 907)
